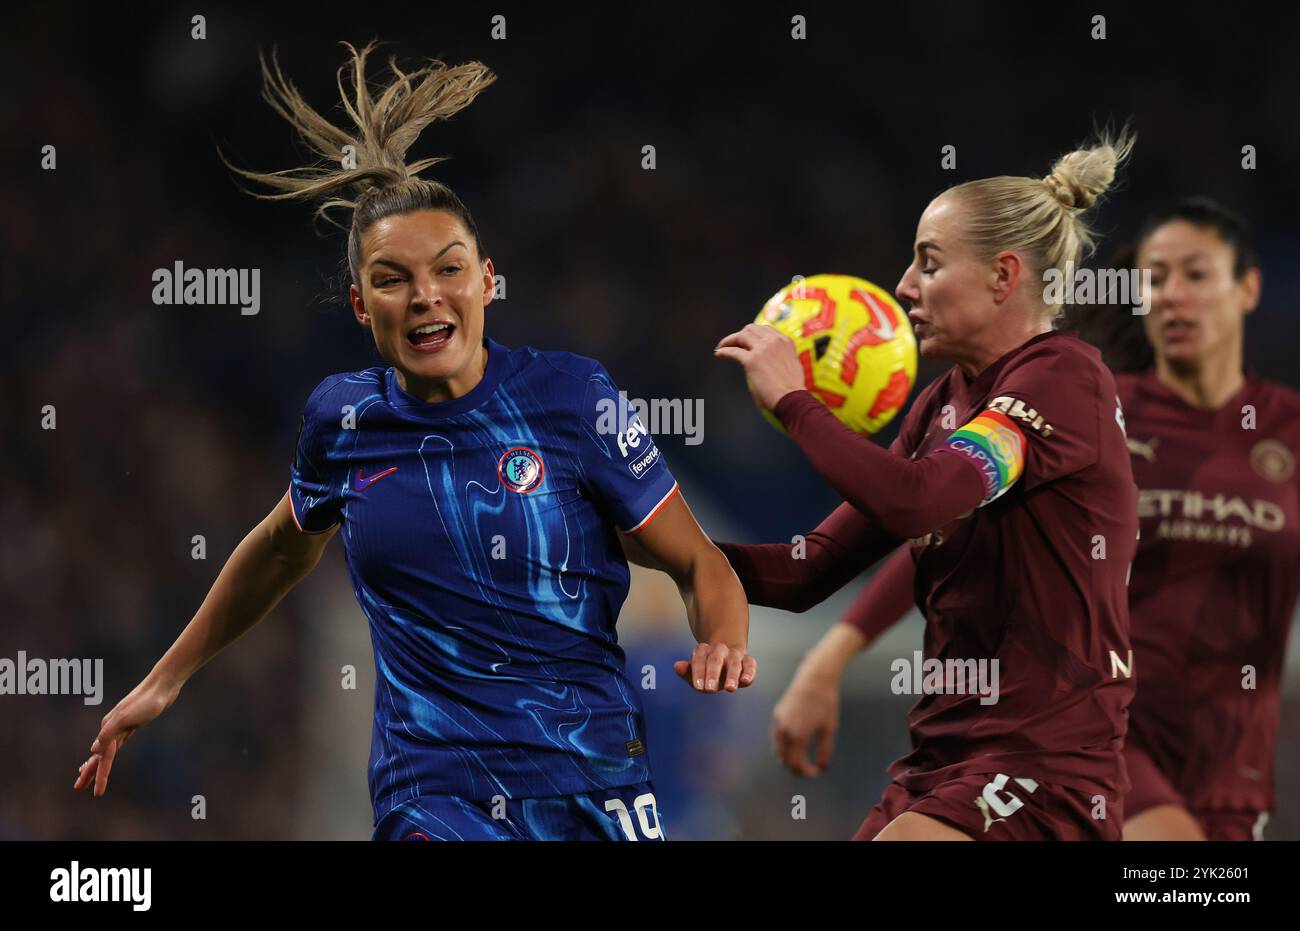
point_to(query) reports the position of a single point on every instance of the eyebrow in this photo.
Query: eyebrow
(926, 245)
(1187, 258)
(401, 267)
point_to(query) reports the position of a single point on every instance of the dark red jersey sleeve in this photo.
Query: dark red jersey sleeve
(905, 498)
(912, 431)
(796, 576)
(884, 600)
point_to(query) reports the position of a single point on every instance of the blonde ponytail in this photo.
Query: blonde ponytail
(377, 181)
(1041, 217)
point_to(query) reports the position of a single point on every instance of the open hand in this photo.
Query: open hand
(145, 702)
(716, 665)
(808, 711)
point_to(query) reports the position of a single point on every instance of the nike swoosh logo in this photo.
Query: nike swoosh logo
(366, 482)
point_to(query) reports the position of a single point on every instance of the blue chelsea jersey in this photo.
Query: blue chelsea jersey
(480, 541)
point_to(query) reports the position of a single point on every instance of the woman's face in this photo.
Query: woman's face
(423, 290)
(1197, 307)
(948, 287)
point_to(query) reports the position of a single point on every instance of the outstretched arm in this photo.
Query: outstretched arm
(798, 575)
(715, 603)
(269, 562)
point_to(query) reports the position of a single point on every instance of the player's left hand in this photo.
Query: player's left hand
(715, 666)
(769, 359)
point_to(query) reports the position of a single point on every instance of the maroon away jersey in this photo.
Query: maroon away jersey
(1214, 584)
(1035, 578)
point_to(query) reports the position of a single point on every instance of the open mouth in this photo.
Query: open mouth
(431, 336)
(1178, 329)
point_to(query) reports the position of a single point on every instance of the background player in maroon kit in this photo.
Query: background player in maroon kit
(1214, 582)
(1218, 567)
(1009, 475)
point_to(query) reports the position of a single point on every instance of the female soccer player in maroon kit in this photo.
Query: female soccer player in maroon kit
(1218, 568)
(1011, 481)
(1215, 580)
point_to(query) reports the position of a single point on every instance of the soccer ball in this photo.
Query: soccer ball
(854, 342)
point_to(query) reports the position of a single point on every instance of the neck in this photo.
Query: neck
(433, 391)
(1206, 383)
(981, 357)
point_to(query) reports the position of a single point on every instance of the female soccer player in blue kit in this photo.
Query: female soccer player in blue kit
(484, 496)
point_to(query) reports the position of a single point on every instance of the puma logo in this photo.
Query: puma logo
(991, 802)
(1146, 450)
(989, 820)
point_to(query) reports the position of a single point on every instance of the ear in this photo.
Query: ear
(1005, 275)
(489, 282)
(358, 306)
(1251, 284)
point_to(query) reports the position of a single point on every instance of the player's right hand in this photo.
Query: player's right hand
(717, 667)
(145, 702)
(809, 709)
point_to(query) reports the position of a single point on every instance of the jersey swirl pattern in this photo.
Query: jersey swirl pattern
(480, 540)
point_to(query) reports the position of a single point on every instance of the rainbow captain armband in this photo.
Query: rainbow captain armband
(996, 447)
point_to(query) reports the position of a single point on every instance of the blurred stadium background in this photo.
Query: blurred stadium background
(774, 158)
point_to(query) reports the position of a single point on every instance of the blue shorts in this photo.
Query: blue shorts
(622, 813)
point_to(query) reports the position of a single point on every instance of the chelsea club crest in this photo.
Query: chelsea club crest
(520, 470)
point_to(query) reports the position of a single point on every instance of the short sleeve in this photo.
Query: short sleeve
(315, 490)
(624, 469)
(1053, 399)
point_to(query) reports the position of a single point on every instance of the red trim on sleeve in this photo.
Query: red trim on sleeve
(653, 511)
(293, 511)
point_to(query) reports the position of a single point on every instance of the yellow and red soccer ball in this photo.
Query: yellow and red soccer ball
(854, 342)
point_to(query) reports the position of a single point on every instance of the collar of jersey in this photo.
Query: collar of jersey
(982, 382)
(1149, 383)
(438, 410)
